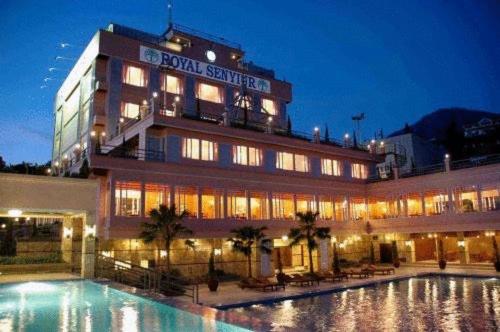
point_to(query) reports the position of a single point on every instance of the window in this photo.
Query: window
(212, 204)
(292, 162)
(306, 203)
(491, 200)
(258, 206)
(242, 102)
(237, 205)
(209, 92)
(128, 199)
(359, 171)
(269, 106)
(130, 110)
(414, 203)
(283, 206)
(340, 209)
(194, 148)
(330, 167)
(156, 195)
(325, 208)
(172, 84)
(358, 209)
(248, 156)
(134, 76)
(186, 199)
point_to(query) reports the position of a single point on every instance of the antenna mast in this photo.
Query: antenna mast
(170, 9)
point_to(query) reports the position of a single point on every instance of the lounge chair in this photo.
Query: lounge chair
(381, 269)
(363, 273)
(252, 283)
(298, 280)
(274, 284)
(333, 277)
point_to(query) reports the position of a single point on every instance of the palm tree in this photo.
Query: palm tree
(309, 232)
(166, 225)
(244, 239)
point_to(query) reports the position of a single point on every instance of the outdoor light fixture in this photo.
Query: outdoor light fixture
(92, 133)
(333, 239)
(284, 238)
(4, 225)
(56, 164)
(103, 134)
(122, 120)
(316, 129)
(211, 56)
(217, 252)
(270, 119)
(49, 171)
(408, 243)
(346, 136)
(447, 156)
(67, 232)
(342, 245)
(461, 243)
(177, 99)
(382, 143)
(489, 233)
(77, 146)
(14, 213)
(372, 141)
(163, 253)
(155, 94)
(90, 231)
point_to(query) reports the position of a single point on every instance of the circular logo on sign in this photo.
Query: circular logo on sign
(262, 85)
(152, 55)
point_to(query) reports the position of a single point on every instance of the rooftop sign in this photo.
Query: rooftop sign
(206, 70)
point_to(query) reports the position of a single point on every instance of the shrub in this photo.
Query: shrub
(40, 259)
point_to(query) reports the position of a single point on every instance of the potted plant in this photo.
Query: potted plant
(441, 258)
(212, 281)
(497, 255)
(395, 255)
(280, 276)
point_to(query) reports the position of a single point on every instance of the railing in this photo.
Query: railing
(206, 36)
(475, 161)
(430, 169)
(144, 278)
(129, 153)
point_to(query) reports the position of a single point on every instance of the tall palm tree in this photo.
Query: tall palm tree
(244, 239)
(308, 231)
(166, 224)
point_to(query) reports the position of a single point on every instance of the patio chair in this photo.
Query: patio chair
(381, 269)
(362, 273)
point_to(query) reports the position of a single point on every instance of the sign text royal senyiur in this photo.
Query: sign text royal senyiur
(195, 67)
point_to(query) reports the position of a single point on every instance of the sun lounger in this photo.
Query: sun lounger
(297, 279)
(381, 269)
(333, 277)
(358, 273)
(252, 283)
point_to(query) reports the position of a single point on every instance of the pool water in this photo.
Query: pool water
(87, 306)
(416, 304)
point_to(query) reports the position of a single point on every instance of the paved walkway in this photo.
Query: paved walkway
(229, 294)
(10, 278)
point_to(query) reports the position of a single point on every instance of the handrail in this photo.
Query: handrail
(150, 279)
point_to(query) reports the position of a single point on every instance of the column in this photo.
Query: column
(463, 248)
(88, 246)
(324, 257)
(67, 240)
(266, 266)
(199, 192)
(422, 197)
(172, 196)
(479, 199)
(405, 206)
(142, 145)
(451, 201)
(398, 205)
(347, 216)
(249, 211)
(224, 209)
(270, 205)
(410, 251)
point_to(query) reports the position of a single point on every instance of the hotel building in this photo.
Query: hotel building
(183, 118)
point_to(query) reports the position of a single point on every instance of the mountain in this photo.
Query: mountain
(433, 126)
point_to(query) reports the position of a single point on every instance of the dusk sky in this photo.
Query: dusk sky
(393, 60)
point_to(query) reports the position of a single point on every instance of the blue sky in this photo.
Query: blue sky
(393, 60)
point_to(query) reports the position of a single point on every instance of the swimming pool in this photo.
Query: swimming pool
(87, 306)
(434, 303)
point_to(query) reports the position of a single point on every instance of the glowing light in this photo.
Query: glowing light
(408, 243)
(67, 232)
(56, 164)
(163, 253)
(92, 133)
(103, 134)
(346, 136)
(447, 156)
(14, 213)
(155, 94)
(49, 171)
(122, 120)
(489, 233)
(177, 99)
(106, 253)
(35, 287)
(77, 146)
(461, 243)
(217, 252)
(284, 238)
(316, 129)
(372, 141)
(90, 231)
(270, 119)
(382, 143)
(4, 225)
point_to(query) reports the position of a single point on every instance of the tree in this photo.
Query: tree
(2, 163)
(336, 261)
(166, 224)
(407, 129)
(243, 240)
(84, 169)
(308, 231)
(327, 134)
(369, 230)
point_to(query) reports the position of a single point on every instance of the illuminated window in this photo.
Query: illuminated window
(435, 203)
(245, 101)
(269, 106)
(209, 92)
(258, 206)
(341, 209)
(325, 208)
(306, 203)
(330, 167)
(292, 162)
(248, 156)
(134, 76)
(130, 110)
(359, 171)
(414, 204)
(194, 148)
(186, 199)
(468, 201)
(358, 209)
(172, 84)
(212, 204)
(237, 205)
(283, 206)
(491, 200)
(377, 209)
(127, 199)
(156, 195)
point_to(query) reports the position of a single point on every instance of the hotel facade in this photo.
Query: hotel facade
(182, 118)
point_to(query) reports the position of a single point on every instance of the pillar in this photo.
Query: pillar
(410, 251)
(422, 198)
(142, 145)
(323, 256)
(451, 201)
(67, 240)
(463, 248)
(266, 266)
(88, 246)
(479, 199)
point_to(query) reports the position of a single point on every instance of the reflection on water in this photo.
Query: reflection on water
(85, 306)
(417, 304)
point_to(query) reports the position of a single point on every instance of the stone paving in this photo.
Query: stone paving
(229, 294)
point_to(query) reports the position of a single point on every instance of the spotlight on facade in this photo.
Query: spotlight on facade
(14, 213)
(163, 253)
(461, 243)
(217, 252)
(4, 225)
(67, 232)
(103, 134)
(284, 238)
(177, 99)
(447, 156)
(155, 94)
(92, 133)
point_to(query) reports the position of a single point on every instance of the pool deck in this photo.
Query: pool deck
(230, 295)
(12, 278)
